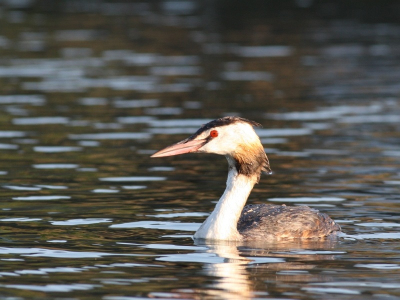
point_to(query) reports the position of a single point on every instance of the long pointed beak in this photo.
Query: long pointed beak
(180, 148)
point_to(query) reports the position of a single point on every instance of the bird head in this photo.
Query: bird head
(233, 137)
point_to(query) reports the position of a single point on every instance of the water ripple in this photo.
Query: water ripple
(105, 191)
(136, 103)
(263, 51)
(87, 221)
(91, 101)
(11, 134)
(111, 136)
(195, 123)
(21, 188)
(40, 121)
(23, 99)
(321, 290)
(247, 76)
(52, 187)
(56, 149)
(55, 166)
(55, 253)
(283, 132)
(159, 225)
(134, 187)
(307, 199)
(20, 220)
(41, 198)
(132, 178)
(62, 288)
(374, 224)
(381, 267)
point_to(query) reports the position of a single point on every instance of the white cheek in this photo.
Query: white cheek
(208, 148)
(218, 146)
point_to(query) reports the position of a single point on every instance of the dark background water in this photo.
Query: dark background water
(90, 89)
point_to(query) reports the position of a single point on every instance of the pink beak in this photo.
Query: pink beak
(180, 148)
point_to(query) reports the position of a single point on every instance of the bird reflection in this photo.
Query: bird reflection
(284, 261)
(232, 278)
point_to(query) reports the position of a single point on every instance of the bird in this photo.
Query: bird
(235, 138)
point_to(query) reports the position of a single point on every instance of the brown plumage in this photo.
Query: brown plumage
(251, 160)
(279, 222)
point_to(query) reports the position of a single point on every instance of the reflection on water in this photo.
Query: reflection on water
(90, 89)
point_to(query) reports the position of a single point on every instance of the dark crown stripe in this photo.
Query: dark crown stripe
(221, 122)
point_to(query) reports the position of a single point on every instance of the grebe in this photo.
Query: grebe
(235, 138)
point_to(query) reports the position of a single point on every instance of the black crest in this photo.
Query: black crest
(221, 122)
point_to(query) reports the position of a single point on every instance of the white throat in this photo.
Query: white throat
(222, 223)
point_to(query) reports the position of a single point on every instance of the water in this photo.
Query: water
(89, 90)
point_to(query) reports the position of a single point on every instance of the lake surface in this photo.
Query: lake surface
(90, 89)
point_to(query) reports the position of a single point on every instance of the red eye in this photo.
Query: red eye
(214, 133)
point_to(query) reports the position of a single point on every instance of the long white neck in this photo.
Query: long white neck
(222, 223)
